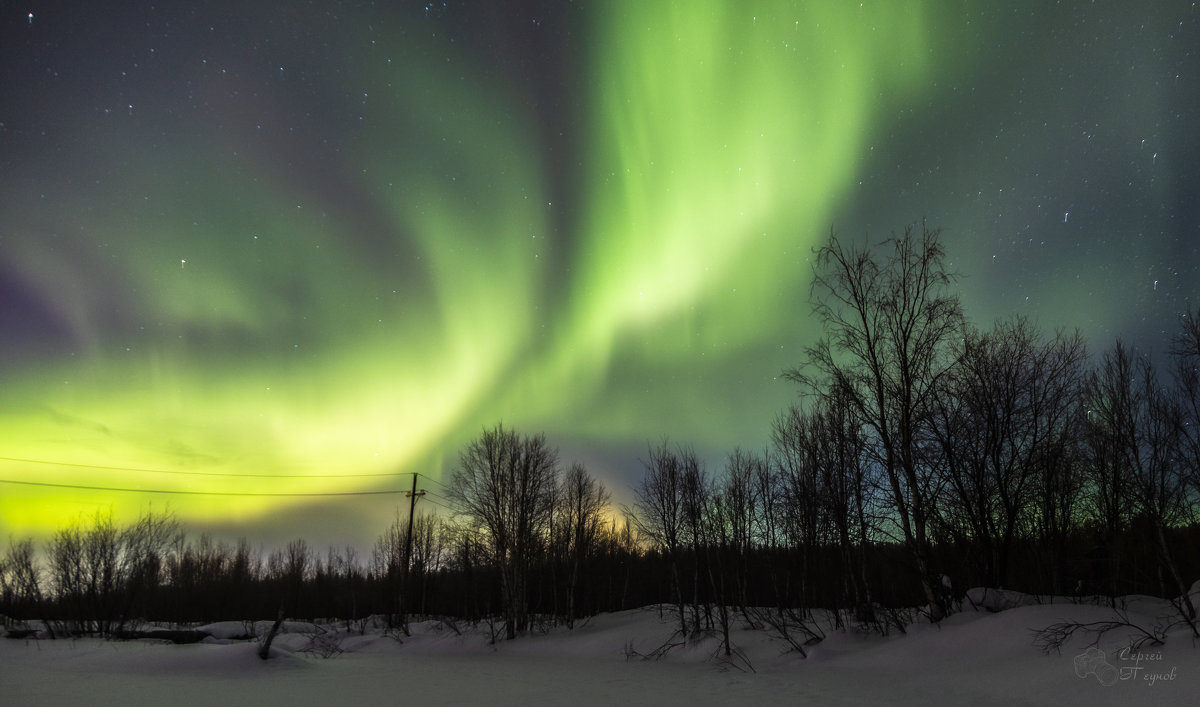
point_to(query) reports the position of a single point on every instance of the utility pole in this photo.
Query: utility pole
(412, 507)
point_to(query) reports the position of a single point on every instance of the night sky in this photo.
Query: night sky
(244, 243)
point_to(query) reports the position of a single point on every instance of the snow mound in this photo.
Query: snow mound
(999, 599)
(246, 630)
(228, 630)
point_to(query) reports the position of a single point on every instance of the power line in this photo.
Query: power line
(439, 505)
(440, 498)
(208, 473)
(198, 493)
(430, 478)
(438, 495)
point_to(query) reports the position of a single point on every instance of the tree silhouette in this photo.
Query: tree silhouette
(890, 319)
(505, 483)
(658, 514)
(1008, 407)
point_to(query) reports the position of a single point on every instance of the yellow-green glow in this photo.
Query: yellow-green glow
(254, 324)
(725, 134)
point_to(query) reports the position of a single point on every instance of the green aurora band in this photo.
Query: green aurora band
(235, 316)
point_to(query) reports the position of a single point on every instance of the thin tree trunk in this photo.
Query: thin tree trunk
(1189, 610)
(264, 651)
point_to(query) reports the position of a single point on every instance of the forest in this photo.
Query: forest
(923, 455)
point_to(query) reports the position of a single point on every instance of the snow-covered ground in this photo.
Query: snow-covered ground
(975, 657)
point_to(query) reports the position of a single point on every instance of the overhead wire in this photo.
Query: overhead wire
(180, 492)
(430, 478)
(439, 504)
(207, 473)
(442, 503)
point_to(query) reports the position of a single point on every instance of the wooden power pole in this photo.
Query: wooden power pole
(412, 507)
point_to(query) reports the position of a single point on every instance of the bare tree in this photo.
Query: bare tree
(837, 441)
(1108, 407)
(697, 499)
(21, 579)
(799, 471)
(583, 502)
(658, 513)
(738, 495)
(505, 482)
(1143, 418)
(768, 525)
(100, 570)
(890, 319)
(142, 551)
(403, 570)
(824, 469)
(1186, 371)
(1009, 403)
(387, 566)
(1059, 500)
(730, 521)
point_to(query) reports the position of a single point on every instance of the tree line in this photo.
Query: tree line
(923, 455)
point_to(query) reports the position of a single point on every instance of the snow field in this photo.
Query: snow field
(974, 657)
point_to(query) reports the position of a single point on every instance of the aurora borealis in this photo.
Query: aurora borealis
(243, 245)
